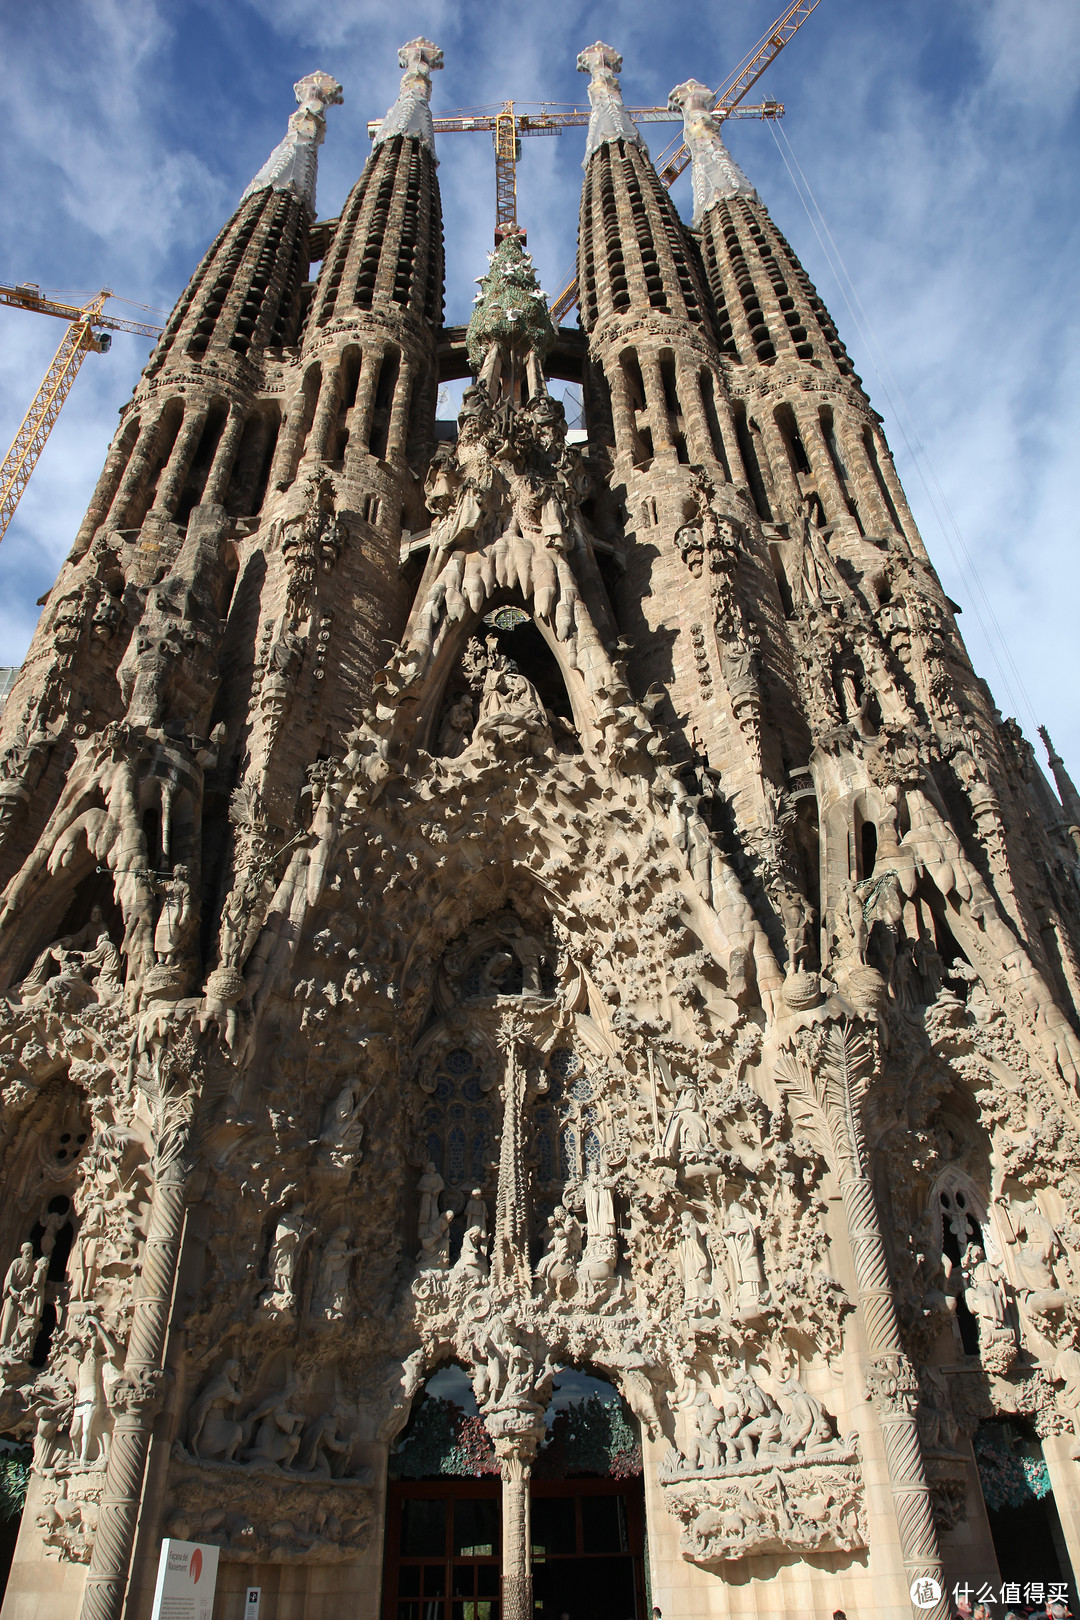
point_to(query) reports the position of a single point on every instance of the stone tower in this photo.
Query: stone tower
(658, 974)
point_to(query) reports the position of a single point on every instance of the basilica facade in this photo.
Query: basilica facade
(539, 1030)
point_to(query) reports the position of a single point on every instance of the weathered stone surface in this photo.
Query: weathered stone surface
(523, 905)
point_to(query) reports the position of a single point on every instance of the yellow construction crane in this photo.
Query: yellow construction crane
(507, 124)
(673, 160)
(88, 328)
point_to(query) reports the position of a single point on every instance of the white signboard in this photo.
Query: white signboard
(186, 1578)
(252, 1603)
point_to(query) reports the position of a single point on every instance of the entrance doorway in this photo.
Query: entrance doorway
(443, 1552)
(588, 1545)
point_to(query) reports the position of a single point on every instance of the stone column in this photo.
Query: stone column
(179, 463)
(832, 1082)
(217, 479)
(515, 1453)
(107, 486)
(363, 410)
(138, 1394)
(327, 408)
(291, 439)
(830, 488)
(397, 433)
(656, 400)
(698, 433)
(622, 415)
(138, 470)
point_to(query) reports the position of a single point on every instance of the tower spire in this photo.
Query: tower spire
(610, 120)
(716, 175)
(1070, 799)
(293, 164)
(411, 112)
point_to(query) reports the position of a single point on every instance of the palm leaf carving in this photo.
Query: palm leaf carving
(830, 1083)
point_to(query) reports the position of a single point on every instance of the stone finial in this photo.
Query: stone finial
(610, 120)
(411, 112)
(293, 164)
(716, 175)
(510, 308)
(1067, 793)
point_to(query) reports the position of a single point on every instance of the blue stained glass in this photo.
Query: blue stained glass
(456, 1156)
(444, 1089)
(562, 1060)
(479, 1156)
(470, 1089)
(567, 1154)
(581, 1088)
(459, 1061)
(547, 1163)
(434, 1151)
(431, 1120)
(456, 1111)
(592, 1148)
(589, 1115)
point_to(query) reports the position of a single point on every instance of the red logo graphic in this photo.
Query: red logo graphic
(196, 1565)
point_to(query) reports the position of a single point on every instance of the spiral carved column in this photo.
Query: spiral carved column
(893, 1387)
(829, 1072)
(136, 1401)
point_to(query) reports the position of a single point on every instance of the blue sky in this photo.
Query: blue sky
(940, 138)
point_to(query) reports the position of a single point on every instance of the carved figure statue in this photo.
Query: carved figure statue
(476, 1211)
(344, 1129)
(1037, 1249)
(686, 1139)
(472, 1262)
(24, 1301)
(430, 1187)
(90, 1421)
(694, 1264)
(983, 1294)
(92, 1230)
(752, 1421)
(325, 1450)
(331, 1294)
(175, 917)
(435, 1243)
(797, 916)
(212, 1433)
(558, 1264)
(279, 1430)
(805, 1427)
(290, 1235)
(456, 732)
(744, 1247)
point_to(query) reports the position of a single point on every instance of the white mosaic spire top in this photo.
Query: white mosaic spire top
(610, 120)
(716, 175)
(294, 162)
(411, 112)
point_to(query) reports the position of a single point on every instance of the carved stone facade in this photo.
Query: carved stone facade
(665, 963)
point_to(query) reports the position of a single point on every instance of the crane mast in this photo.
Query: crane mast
(88, 329)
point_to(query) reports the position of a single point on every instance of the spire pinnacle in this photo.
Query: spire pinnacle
(1067, 793)
(510, 308)
(411, 112)
(716, 175)
(610, 120)
(293, 164)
